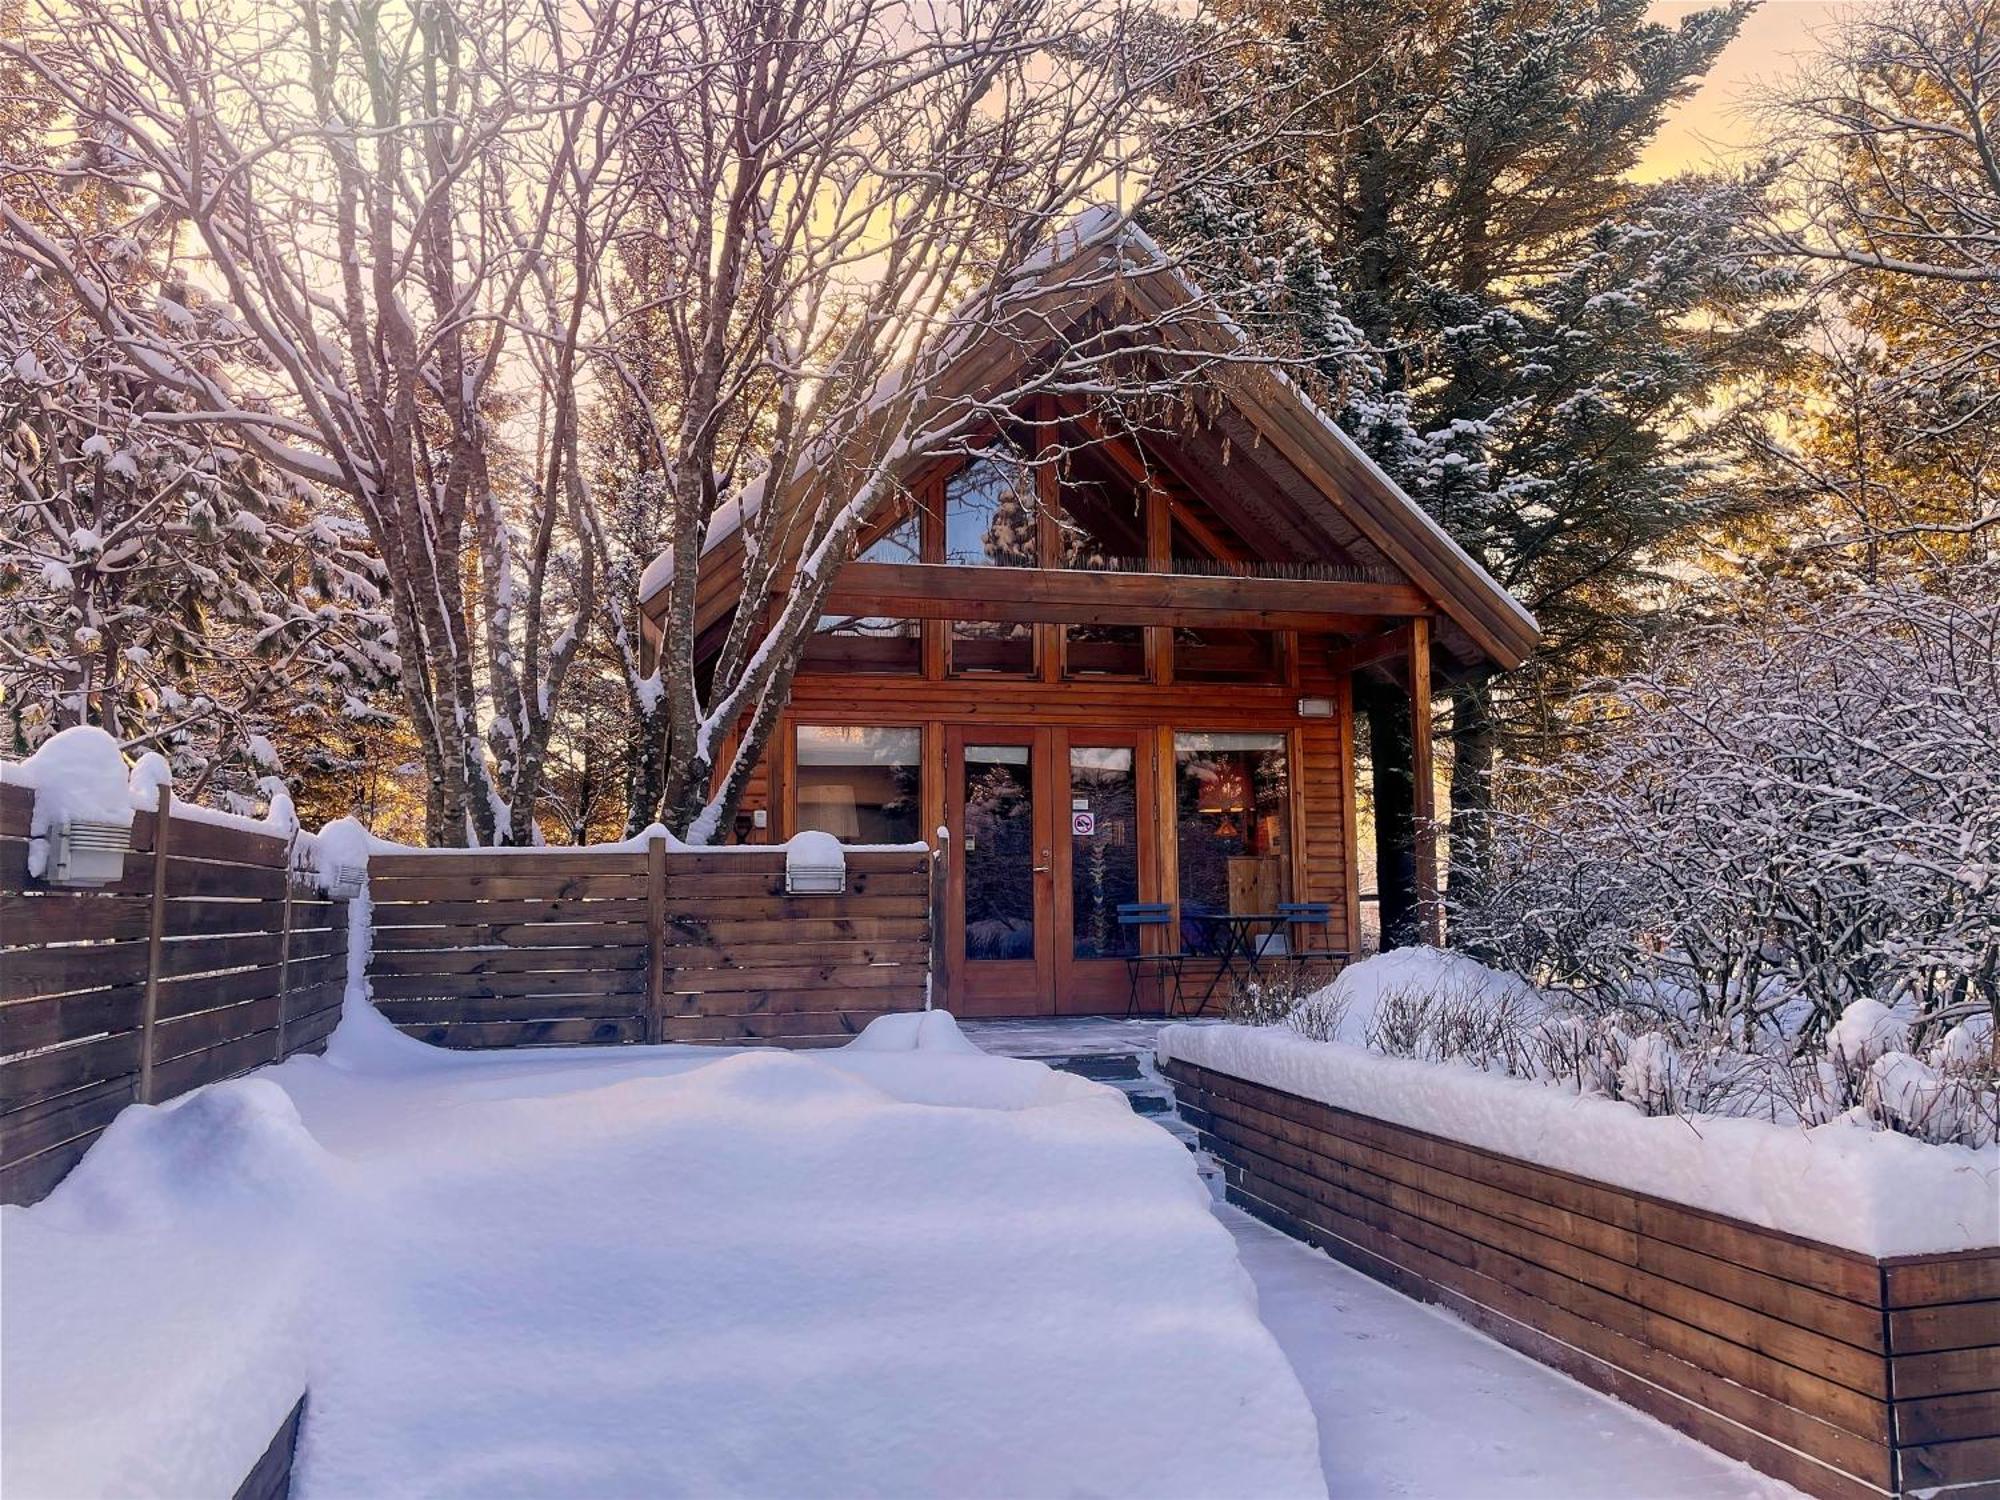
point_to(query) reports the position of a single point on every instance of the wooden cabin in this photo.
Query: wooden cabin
(1124, 676)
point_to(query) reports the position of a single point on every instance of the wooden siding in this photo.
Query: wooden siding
(530, 948)
(203, 962)
(1846, 1376)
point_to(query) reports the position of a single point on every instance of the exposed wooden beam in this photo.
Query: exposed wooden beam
(1065, 596)
(1424, 786)
(1388, 645)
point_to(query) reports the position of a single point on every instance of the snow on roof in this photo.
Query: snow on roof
(1106, 224)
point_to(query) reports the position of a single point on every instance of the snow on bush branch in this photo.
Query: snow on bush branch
(1786, 813)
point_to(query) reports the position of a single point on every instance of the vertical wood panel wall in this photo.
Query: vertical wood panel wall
(241, 971)
(1847, 1376)
(531, 947)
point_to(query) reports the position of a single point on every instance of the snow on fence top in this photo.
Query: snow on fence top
(1843, 1184)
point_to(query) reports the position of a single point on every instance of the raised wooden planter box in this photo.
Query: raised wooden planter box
(1847, 1376)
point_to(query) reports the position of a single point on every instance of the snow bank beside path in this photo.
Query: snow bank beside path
(155, 1324)
(1868, 1190)
(902, 1268)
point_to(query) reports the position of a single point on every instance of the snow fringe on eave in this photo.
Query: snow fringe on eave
(1101, 224)
(1844, 1184)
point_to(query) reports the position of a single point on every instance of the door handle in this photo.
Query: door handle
(1042, 869)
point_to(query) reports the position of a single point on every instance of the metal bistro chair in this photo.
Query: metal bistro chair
(1299, 915)
(1139, 915)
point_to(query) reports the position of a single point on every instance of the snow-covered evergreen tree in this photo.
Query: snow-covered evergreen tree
(155, 578)
(1537, 348)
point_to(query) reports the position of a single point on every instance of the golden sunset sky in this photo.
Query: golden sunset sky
(1717, 122)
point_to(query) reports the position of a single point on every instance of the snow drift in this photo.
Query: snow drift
(900, 1268)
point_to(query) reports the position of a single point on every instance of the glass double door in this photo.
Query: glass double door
(1048, 840)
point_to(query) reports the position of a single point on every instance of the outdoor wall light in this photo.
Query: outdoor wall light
(815, 880)
(1315, 708)
(343, 882)
(86, 853)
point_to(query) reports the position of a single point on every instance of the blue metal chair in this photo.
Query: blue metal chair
(1300, 915)
(1138, 916)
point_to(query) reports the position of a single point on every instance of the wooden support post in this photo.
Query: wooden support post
(156, 931)
(285, 948)
(937, 994)
(1430, 916)
(656, 939)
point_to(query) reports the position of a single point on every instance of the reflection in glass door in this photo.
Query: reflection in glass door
(1104, 849)
(1000, 863)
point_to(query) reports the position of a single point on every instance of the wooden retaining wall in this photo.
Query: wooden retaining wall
(529, 947)
(1846, 1376)
(206, 960)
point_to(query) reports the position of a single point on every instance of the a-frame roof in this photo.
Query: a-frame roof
(1283, 470)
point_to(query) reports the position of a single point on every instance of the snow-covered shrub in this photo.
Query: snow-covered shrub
(1289, 999)
(1451, 1021)
(1789, 811)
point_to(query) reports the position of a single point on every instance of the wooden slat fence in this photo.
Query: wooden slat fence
(206, 960)
(1844, 1375)
(534, 947)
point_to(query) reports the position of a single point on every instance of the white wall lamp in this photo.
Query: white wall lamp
(87, 853)
(1315, 708)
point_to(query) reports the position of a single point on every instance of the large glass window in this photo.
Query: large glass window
(1103, 849)
(872, 643)
(1208, 655)
(860, 785)
(991, 521)
(990, 516)
(999, 852)
(1233, 792)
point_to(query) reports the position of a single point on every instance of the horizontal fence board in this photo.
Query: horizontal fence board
(212, 1064)
(507, 935)
(30, 1179)
(389, 890)
(492, 961)
(1788, 1258)
(1840, 1373)
(804, 978)
(66, 916)
(51, 1020)
(1803, 1390)
(752, 887)
(753, 956)
(507, 948)
(29, 972)
(41, 1075)
(1950, 1373)
(1613, 1266)
(802, 1003)
(544, 1033)
(211, 1028)
(1931, 1465)
(437, 1010)
(51, 1122)
(1713, 1410)
(757, 1025)
(519, 863)
(526, 987)
(1943, 1419)
(242, 946)
(1949, 1325)
(457, 913)
(1971, 1277)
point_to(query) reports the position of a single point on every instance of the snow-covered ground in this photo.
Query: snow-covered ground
(892, 1269)
(1416, 1405)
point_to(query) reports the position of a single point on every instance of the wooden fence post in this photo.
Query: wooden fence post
(937, 990)
(163, 820)
(285, 948)
(656, 939)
